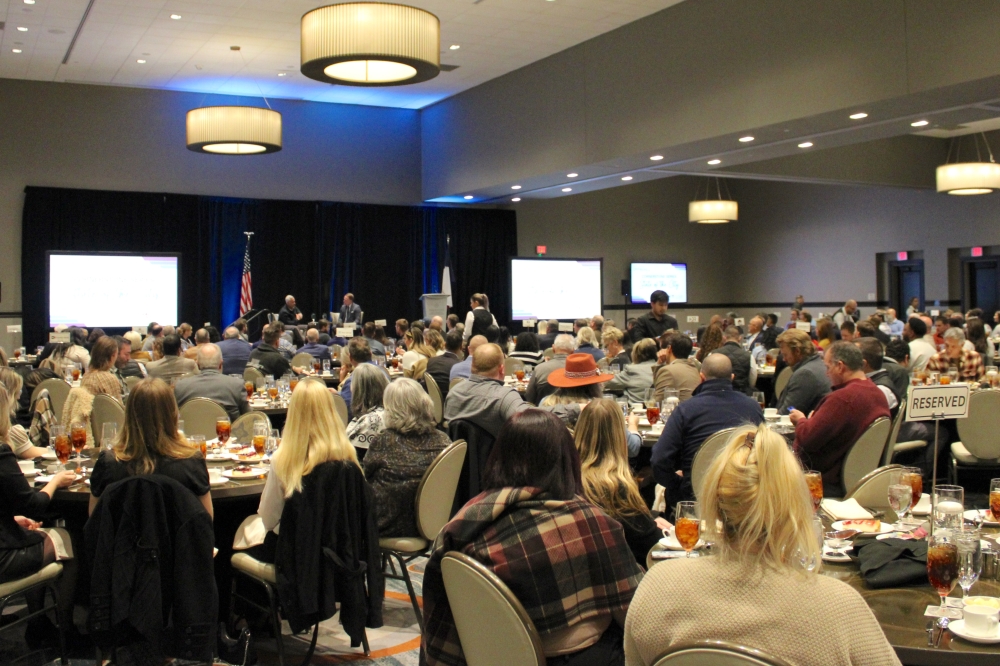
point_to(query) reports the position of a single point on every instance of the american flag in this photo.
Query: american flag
(246, 296)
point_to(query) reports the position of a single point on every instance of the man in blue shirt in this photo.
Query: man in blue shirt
(235, 352)
(464, 369)
(313, 346)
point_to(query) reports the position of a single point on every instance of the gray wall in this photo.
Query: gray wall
(96, 137)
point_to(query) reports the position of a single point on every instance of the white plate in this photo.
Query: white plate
(252, 474)
(49, 455)
(671, 543)
(217, 482)
(45, 478)
(885, 527)
(957, 627)
(34, 472)
(971, 515)
(220, 457)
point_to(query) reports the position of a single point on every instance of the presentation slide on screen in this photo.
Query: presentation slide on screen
(111, 290)
(555, 288)
(671, 278)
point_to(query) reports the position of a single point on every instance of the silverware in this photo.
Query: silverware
(930, 632)
(942, 624)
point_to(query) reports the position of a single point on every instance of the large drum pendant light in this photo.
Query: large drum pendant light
(370, 44)
(233, 130)
(965, 178)
(713, 211)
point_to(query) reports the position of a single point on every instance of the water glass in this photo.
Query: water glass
(970, 559)
(900, 496)
(199, 443)
(811, 562)
(649, 397)
(273, 440)
(948, 507)
(326, 366)
(180, 427)
(109, 434)
(615, 368)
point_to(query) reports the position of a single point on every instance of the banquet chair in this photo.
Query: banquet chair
(335, 351)
(432, 505)
(894, 446)
(253, 375)
(242, 428)
(512, 365)
(199, 416)
(313, 378)
(341, 406)
(492, 625)
(480, 444)
(866, 453)
(548, 354)
(872, 491)
(706, 454)
(106, 410)
(715, 653)
(434, 391)
(303, 360)
(781, 381)
(45, 579)
(978, 446)
(58, 392)
(130, 383)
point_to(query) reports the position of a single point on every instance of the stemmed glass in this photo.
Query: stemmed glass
(259, 438)
(811, 562)
(109, 434)
(198, 442)
(78, 435)
(687, 527)
(273, 440)
(970, 560)
(995, 499)
(814, 481)
(900, 496)
(60, 442)
(942, 567)
(914, 477)
(222, 429)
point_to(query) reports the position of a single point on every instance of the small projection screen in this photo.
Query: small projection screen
(647, 278)
(555, 288)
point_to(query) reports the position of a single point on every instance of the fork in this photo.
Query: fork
(942, 626)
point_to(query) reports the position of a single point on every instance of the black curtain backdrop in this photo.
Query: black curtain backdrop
(386, 255)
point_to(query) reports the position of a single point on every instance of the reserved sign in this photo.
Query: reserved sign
(946, 401)
(345, 332)
(803, 326)
(380, 322)
(566, 326)
(59, 337)
(530, 323)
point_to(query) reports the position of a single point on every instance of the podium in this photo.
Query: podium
(435, 305)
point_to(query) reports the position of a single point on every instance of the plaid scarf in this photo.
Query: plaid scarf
(42, 420)
(565, 561)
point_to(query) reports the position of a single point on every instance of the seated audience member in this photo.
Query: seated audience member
(538, 386)
(323, 326)
(793, 319)
(578, 324)
(894, 325)
(463, 368)
(968, 363)
(17, 435)
(267, 358)
(402, 326)
(201, 337)
(210, 383)
(153, 332)
(545, 340)
(289, 315)
(825, 437)
(576, 385)
(849, 312)
(755, 592)
(809, 382)
(612, 339)
(714, 406)
(358, 353)
(597, 323)
(826, 333)
(135, 341)
(314, 347)
(420, 351)
(184, 331)
(452, 322)
(586, 341)
(679, 371)
(400, 454)
(711, 340)
(483, 399)
(756, 343)
(847, 330)
(150, 444)
(313, 435)
(171, 367)
(526, 350)
(124, 365)
(636, 377)
(770, 331)
(940, 326)
(93, 337)
(895, 362)
(99, 378)
(24, 547)
(744, 370)
(432, 347)
(921, 344)
(975, 331)
(656, 322)
(607, 479)
(368, 330)
(533, 488)
(368, 384)
(235, 352)
(290, 340)
(77, 350)
(439, 368)
(872, 366)
(30, 383)
(241, 326)
(870, 329)
(492, 334)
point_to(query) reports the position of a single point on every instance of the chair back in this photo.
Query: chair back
(105, 410)
(548, 354)
(58, 392)
(254, 375)
(335, 351)
(492, 625)
(706, 454)
(436, 492)
(303, 360)
(434, 391)
(512, 365)
(872, 491)
(480, 443)
(341, 406)
(781, 381)
(132, 382)
(894, 434)
(978, 432)
(715, 653)
(199, 416)
(866, 453)
(242, 428)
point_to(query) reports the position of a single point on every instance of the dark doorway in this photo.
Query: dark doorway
(981, 284)
(906, 282)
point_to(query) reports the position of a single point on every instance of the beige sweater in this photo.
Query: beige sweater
(805, 619)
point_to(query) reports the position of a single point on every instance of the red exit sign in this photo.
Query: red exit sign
(977, 252)
(902, 256)
(540, 249)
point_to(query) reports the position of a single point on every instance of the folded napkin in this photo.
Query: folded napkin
(846, 510)
(892, 562)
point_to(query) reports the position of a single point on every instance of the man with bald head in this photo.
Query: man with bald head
(539, 387)
(235, 352)
(212, 384)
(464, 368)
(314, 347)
(847, 313)
(483, 399)
(713, 406)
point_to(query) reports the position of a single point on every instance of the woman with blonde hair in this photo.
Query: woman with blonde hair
(754, 591)
(586, 343)
(607, 477)
(313, 435)
(151, 444)
(17, 436)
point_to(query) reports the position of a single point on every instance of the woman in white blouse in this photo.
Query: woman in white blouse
(368, 383)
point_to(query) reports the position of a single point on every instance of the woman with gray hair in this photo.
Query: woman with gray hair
(399, 456)
(368, 383)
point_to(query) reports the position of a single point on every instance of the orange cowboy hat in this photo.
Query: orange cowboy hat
(580, 370)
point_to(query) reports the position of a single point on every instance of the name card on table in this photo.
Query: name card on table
(937, 402)
(692, 319)
(529, 323)
(14, 328)
(739, 321)
(803, 326)
(380, 322)
(347, 332)
(141, 330)
(935, 313)
(59, 337)
(565, 326)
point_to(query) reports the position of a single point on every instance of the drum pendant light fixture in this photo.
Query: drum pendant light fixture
(370, 44)
(713, 211)
(965, 178)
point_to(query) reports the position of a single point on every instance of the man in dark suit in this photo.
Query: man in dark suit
(350, 311)
(739, 359)
(171, 367)
(235, 352)
(439, 367)
(267, 358)
(289, 315)
(546, 339)
(212, 384)
(656, 322)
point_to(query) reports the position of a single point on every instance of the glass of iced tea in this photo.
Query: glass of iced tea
(519, 373)
(653, 413)
(198, 442)
(687, 526)
(259, 438)
(75, 371)
(17, 353)
(814, 480)
(222, 429)
(395, 363)
(60, 442)
(914, 477)
(249, 386)
(317, 364)
(942, 567)
(292, 383)
(995, 499)
(78, 436)
(944, 379)
(272, 390)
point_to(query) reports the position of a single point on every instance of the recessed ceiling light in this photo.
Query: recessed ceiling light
(746, 139)
(656, 158)
(21, 28)
(572, 175)
(282, 73)
(141, 61)
(858, 116)
(806, 144)
(176, 17)
(515, 187)
(920, 123)
(15, 50)
(567, 189)
(714, 162)
(29, 2)
(626, 177)
(455, 47)
(516, 199)
(468, 196)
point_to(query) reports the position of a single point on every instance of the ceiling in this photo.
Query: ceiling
(193, 53)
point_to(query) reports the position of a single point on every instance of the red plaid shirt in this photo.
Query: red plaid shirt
(969, 364)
